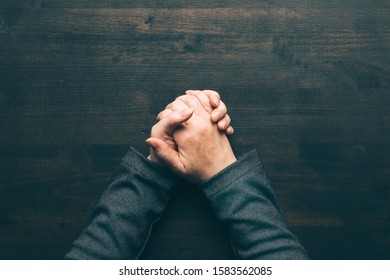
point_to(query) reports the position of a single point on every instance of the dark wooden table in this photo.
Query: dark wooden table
(307, 84)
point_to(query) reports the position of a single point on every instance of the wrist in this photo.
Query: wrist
(226, 159)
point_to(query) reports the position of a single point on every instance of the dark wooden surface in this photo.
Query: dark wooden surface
(307, 84)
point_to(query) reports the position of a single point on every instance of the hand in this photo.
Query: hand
(201, 149)
(211, 102)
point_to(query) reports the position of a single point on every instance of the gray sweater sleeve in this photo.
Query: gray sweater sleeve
(122, 220)
(242, 197)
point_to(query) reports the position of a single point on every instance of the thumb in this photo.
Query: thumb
(174, 119)
(165, 154)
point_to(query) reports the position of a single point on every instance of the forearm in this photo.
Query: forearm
(242, 197)
(123, 218)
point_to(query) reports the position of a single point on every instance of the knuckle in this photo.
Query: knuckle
(222, 125)
(212, 92)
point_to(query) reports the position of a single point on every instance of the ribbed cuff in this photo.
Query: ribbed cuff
(137, 161)
(230, 174)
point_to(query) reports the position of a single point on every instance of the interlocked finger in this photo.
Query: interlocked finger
(224, 123)
(176, 105)
(213, 96)
(193, 102)
(203, 98)
(163, 114)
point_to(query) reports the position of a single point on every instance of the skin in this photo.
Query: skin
(212, 103)
(190, 137)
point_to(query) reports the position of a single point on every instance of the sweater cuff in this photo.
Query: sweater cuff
(136, 161)
(230, 174)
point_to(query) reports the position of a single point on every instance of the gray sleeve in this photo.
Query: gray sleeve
(241, 196)
(122, 220)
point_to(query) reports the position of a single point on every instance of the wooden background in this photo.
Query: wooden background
(307, 84)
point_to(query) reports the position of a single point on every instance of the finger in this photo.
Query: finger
(214, 97)
(206, 97)
(219, 112)
(229, 130)
(203, 98)
(166, 154)
(192, 102)
(167, 125)
(163, 114)
(224, 123)
(192, 91)
(177, 105)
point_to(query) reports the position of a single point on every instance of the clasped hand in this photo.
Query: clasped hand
(190, 137)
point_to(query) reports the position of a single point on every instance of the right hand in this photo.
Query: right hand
(202, 149)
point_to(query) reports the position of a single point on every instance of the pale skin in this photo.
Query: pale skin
(190, 137)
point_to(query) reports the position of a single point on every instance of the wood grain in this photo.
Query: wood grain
(306, 83)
